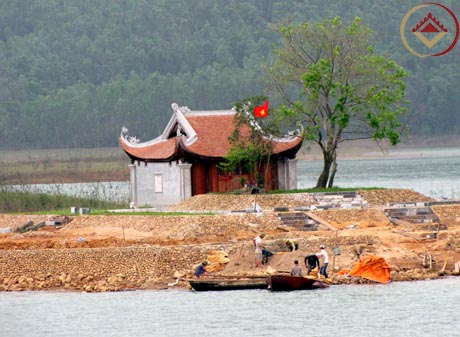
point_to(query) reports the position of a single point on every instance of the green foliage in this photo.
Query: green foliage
(345, 91)
(326, 190)
(241, 155)
(141, 213)
(251, 146)
(95, 66)
(12, 202)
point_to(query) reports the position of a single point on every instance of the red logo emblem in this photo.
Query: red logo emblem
(437, 38)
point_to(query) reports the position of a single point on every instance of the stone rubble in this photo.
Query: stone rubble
(96, 253)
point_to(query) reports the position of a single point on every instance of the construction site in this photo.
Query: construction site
(418, 237)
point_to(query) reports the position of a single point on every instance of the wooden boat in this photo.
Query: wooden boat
(288, 283)
(237, 283)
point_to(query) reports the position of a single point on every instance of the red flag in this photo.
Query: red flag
(261, 110)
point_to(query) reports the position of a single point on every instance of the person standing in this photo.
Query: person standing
(296, 270)
(322, 254)
(258, 244)
(311, 262)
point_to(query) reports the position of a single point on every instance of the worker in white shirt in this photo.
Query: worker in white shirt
(322, 255)
(258, 245)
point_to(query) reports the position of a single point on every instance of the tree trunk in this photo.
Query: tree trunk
(333, 170)
(324, 176)
(266, 173)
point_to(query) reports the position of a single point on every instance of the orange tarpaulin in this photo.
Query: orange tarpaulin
(373, 268)
(343, 271)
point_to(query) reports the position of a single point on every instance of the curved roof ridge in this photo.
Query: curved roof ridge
(204, 133)
(163, 150)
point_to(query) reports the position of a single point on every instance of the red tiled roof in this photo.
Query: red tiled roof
(162, 150)
(285, 146)
(213, 132)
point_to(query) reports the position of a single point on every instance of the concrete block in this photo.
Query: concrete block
(84, 210)
(52, 223)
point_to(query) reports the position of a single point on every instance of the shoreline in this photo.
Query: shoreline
(186, 286)
(62, 282)
(369, 150)
(99, 253)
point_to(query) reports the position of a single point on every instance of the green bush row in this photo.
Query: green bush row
(12, 201)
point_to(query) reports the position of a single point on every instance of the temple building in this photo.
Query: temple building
(183, 160)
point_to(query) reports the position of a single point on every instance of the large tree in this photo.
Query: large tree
(330, 78)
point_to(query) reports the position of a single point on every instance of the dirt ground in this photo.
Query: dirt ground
(182, 241)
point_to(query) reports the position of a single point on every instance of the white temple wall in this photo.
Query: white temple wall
(161, 184)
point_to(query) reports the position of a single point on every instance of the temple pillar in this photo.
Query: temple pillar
(185, 181)
(133, 185)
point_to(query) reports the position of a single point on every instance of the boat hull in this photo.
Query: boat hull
(234, 284)
(289, 283)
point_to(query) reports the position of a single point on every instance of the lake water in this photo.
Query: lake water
(434, 172)
(421, 308)
(438, 177)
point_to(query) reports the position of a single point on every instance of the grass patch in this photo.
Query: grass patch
(63, 166)
(159, 213)
(15, 202)
(42, 203)
(326, 190)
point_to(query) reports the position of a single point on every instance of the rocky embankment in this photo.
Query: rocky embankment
(119, 252)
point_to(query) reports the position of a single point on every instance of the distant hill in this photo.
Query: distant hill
(73, 72)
